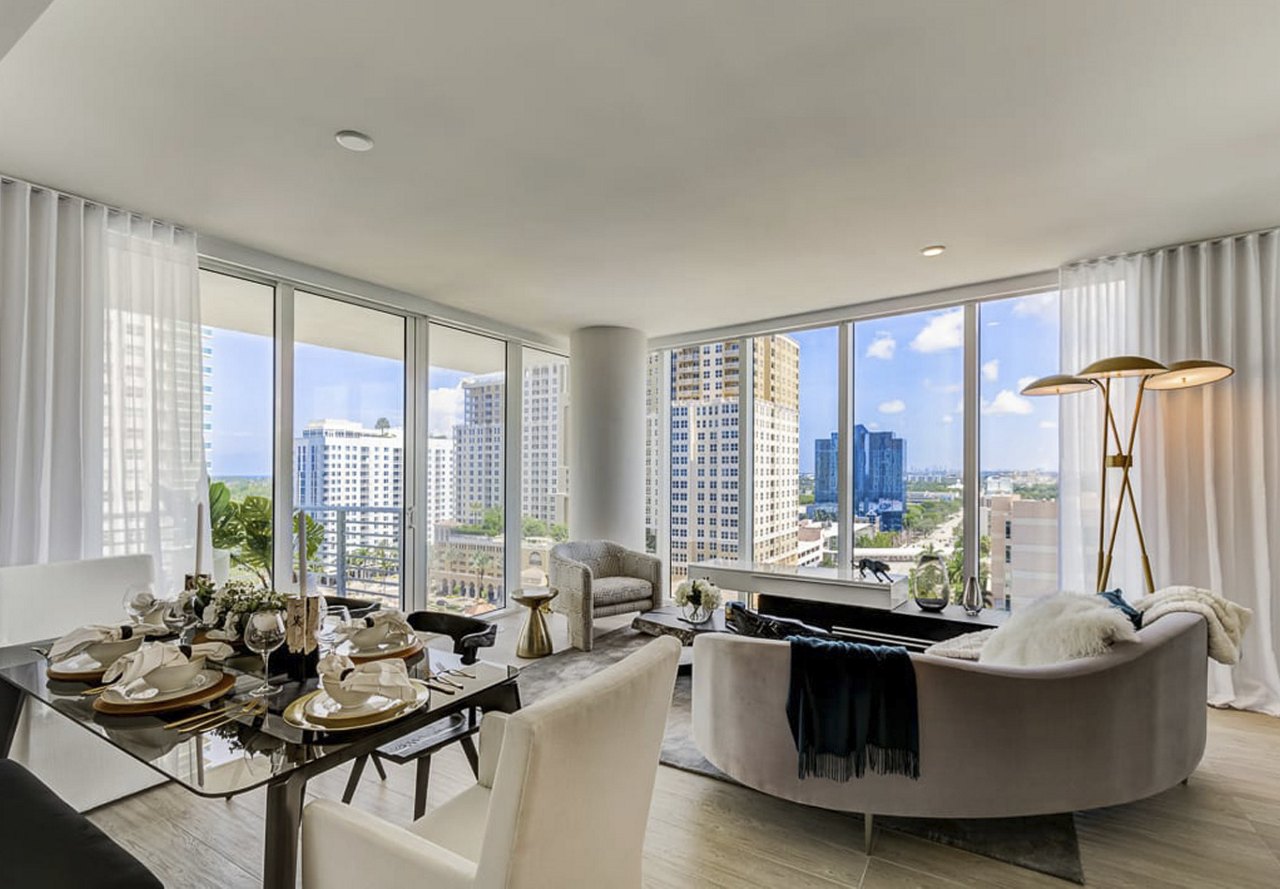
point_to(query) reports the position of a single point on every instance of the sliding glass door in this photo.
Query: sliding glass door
(349, 445)
(466, 454)
(238, 354)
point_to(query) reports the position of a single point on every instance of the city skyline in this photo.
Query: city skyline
(907, 381)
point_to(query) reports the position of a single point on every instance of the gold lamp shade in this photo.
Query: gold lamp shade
(1057, 384)
(1189, 373)
(1122, 366)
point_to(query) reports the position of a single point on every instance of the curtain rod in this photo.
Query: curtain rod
(110, 208)
(1150, 251)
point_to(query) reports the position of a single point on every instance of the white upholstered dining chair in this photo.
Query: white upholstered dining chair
(562, 798)
(43, 602)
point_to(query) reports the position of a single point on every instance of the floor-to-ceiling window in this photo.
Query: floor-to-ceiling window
(703, 440)
(349, 444)
(795, 431)
(1019, 448)
(544, 463)
(907, 493)
(907, 439)
(238, 355)
(466, 421)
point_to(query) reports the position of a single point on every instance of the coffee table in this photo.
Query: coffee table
(670, 622)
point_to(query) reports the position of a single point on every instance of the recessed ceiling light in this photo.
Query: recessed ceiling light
(353, 140)
(933, 250)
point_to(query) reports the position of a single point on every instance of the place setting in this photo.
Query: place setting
(355, 695)
(382, 634)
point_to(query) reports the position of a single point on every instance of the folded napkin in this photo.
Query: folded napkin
(392, 619)
(389, 678)
(130, 671)
(81, 638)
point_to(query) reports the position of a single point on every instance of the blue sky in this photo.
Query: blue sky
(908, 376)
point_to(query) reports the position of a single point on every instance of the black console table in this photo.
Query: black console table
(904, 624)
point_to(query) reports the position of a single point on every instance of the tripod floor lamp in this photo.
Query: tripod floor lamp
(1117, 452)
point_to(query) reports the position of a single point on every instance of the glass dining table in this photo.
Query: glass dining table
(253, 751)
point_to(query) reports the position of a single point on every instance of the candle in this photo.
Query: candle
(302, 552)
(199, 537)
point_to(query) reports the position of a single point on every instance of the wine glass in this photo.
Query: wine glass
(263, 634)
(334, 617)
(138, 602)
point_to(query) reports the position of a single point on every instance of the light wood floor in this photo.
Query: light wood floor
(1221, 830)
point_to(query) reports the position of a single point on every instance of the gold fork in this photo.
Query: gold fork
(230, 714)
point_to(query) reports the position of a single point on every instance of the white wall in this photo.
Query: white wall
(607, 434)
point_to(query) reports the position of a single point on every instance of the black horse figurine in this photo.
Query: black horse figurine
(879, 570)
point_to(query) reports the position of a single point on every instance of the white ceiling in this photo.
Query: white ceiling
(671, 164)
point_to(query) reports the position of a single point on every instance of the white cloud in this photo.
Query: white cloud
(1048, 424)
(1007, 402)
(991, 370)
(896, 406)
(1024, 382)
(445, 410)
(959, 408)
(944, 388)
(947, 418)
(1039, 305)
(943, 331)
(873, 426)
(993, 323)
(882, 346)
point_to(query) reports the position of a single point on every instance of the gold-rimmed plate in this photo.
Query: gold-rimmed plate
(384, 650)
(306, 712)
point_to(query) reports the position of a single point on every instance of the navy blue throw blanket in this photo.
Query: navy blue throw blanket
(850, 705)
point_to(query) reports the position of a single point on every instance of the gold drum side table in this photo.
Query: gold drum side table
(535, 639)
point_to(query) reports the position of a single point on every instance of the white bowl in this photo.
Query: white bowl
(106, 653)
(175, 678)
(344, 696)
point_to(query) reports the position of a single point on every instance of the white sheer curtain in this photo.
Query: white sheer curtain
(1208, 459)
(101, 414)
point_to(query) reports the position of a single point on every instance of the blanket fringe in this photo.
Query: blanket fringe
(882, 761)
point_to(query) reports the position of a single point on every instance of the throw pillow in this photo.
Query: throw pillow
(743, 621)
(1117, 600)
(1057, 628)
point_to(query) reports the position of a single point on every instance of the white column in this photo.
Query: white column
(607, 434)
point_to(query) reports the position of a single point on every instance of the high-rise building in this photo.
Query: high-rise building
(1024, 547)
(826, 465)
(440, 482)
(704, 430)
(879, 477)
(477, 442)
(341, 463)
(544, 425)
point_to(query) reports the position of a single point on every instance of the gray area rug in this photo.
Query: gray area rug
(1047, 843)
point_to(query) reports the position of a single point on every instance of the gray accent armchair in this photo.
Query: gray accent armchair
(600, 578)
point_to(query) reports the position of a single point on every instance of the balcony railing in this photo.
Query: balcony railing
(361, 551)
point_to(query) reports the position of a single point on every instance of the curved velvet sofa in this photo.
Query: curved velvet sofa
(994, 741)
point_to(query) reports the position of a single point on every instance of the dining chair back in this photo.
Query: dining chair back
(562, 797)
(43, 602)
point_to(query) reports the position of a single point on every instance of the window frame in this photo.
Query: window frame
(416, 553)
(970, 298)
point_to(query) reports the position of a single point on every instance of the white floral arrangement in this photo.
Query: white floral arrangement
(237, 597)
(699, 593)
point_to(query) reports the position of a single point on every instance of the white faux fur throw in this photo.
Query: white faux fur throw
(1057, 628)
(1227, 620)
(964, 648)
